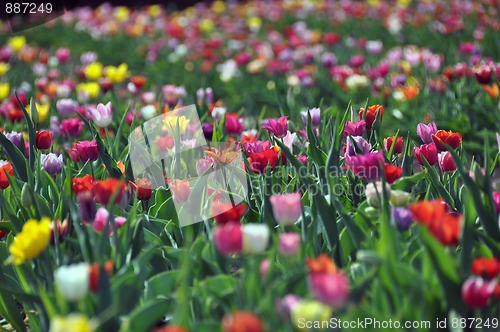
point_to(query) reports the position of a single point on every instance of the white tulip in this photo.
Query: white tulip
(72, 281)
(255, 238)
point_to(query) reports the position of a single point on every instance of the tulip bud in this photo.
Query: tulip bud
(399, 198)
(402, 218)
(72, 281)
(255, 238)
(264, 267)
(26, 198)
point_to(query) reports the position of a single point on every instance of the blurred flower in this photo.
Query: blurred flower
(234, 124)
(72, 281)
(102, 115)
(264, 267)
(496, 200)
(4, 90)
(60, 228)
(62, 54)
(208, 130)
(94, 271)
(371, 114)
(483, 74)
(52, 163)
(218, 113)
(117, 74)
(373, 193)
(101, 220)
(5, 168)
(327, 284)
(392, 172)
(227, 212)
(355, 82)
(445, 226)
(86, 206)
(87, 150)
(476, 292)
(181, 190)
(72, 127)
(354, 129)
(15, 138)
(398, 146)
(442, 137)
(93, 71)
(16, 43)
(425, 131)
(491, 89)
(255, 238)
(228, 238)
(486, 267)
(42, 110)
(309, 311)
(104, 190)
(402, 218)
(148, 112)
(285, 305)
(289, 243)
(204, 164)
(446, 162)
(399, 198)
(242, 321)
(43, 139)
(73, 322)
(428, 151)
(85, 183)
(87, 91)
(4, 68)
(287, 208)
(170, 328)
(30, 242)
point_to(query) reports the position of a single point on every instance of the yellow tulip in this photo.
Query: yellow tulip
(92, 89)
(309, 311)
(42, 110)
(122, 13)
(170, 123)
(93, 71)
(254, 22)
(4, 90)
(206, 25)
(4, 68)
(219, 7)
(117, 74)
(154, 10)
(30, 242)
(73, 322)
(17, 43)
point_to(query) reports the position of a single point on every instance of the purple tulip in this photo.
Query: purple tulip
(15, 138)
(315, 116)
(66, 106)
(425, 131)
(278, 128)
(354, 129)
(285, 305)
(208, 130)
(102, 115)
(355, 143)
(86, 206)
(368, 166)
(52, 163)
(402, 218)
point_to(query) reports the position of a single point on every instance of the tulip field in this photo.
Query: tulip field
(251, 166)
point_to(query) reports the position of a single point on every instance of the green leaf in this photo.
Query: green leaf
(144, 317)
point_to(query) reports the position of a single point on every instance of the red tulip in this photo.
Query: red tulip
(94, 271)
(446, 162)
(392, 172)
(398, 147)
(486, 267)
(5, 168)
(228, 238)
(259, 161)
(87, 150)
(104, 190)
(476, 292)
(227, 212)
(442, 137)
(85, 183)
(428, 151)
(43, 139)
(143, 188)
(242, 322)
(370, 114)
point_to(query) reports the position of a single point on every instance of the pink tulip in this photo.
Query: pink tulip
(278, 128)
(330, 288)
(102, 115)
(476, 292)
(287, 208)
(354, 129)
(425, 131)
(289, 243)
(228, 238)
